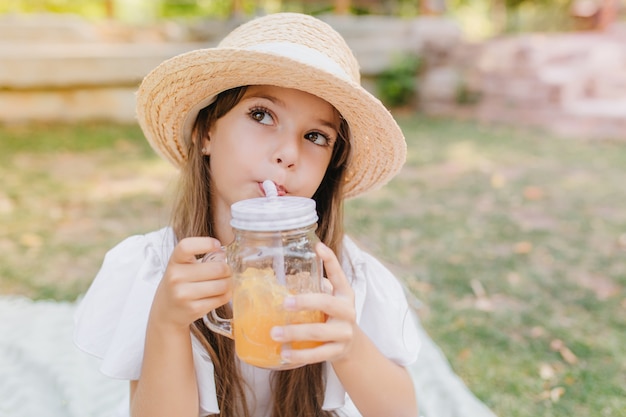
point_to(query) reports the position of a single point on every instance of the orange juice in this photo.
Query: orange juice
(258, 306)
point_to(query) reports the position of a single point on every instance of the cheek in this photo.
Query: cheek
(232, 158)
(320, 158)
(317, 164)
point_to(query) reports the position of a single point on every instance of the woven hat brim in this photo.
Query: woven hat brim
(177, 86)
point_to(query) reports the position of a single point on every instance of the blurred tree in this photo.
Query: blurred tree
(499, 15)
(594, 14)
(488, 17)
(238, 9)
(342, 6)
(507, 14)
(430, 7)
(109, 7)
(608, 13)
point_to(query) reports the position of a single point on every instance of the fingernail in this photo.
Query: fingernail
(277, 333)
(285, 355)
(289, 303)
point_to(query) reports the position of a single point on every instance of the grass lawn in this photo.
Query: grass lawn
(514, 241)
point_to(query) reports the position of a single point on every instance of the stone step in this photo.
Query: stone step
(59, 65)
(584, 119)
(597, 108)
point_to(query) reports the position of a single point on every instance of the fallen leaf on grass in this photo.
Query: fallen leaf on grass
(477, 287)
(546, 371)
(482, 302)
(568, 356)
(464, 354)
(556, 393)
(533, 193)
(602, 286)
(6, 204)
(537, 332)
(420, 286)
(523, 247)
(621, 240)
(455, 259)
(31, 240)
(553, 394)
(513, 278)
(498, 181)
(569, 380)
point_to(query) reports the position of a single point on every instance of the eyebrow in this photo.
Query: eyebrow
(330, 125)
(269, 97)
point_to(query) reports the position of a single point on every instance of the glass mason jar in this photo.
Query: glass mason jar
(272, 256)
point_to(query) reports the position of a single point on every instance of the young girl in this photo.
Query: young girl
(278, 99)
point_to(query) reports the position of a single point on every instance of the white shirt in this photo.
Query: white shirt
(111, 320)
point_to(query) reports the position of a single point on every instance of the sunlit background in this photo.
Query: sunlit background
(507, 222)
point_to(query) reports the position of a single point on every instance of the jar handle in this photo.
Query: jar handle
(218, 255)
(218, 324)
(214, 322)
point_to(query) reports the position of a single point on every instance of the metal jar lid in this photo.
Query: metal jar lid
(273, 213)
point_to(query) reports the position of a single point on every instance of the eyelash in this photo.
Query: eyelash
(259, 109)
(267, 112)
(326, 138)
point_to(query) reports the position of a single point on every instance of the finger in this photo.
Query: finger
(334, 307)
(337, 331)
(188, 249)
(202, 306)
(205, 290)
(214, 270)
(199, 272)
(324, 352)
(333, 269)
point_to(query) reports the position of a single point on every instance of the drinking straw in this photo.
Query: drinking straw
(279, 258)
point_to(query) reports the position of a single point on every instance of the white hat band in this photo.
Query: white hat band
(303, 54)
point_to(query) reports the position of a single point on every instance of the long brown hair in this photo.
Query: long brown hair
(295, 392)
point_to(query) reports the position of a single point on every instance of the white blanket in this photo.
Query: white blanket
(42, 373)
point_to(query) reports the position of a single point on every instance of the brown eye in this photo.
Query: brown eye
(317, 138)
(262, 116)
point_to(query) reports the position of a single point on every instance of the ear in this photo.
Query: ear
(206, 146)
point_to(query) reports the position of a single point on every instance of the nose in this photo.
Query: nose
(287, 151)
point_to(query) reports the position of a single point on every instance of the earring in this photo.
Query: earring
(205, 151)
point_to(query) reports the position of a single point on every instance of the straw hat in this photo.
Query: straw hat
(287, 50)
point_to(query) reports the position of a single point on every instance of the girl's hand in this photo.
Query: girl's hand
(337, 332)
(190, 288)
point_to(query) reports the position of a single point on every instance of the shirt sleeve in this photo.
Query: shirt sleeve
(383, 311)
(111, 320)
(112, 317)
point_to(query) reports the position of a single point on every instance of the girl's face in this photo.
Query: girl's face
(274, 133)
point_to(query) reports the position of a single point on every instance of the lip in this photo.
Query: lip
(280, 189)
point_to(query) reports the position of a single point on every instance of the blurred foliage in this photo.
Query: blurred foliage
(85, 8)
(196, 8)
(480, 17)
(466, 95)
(121, 8)
(397, 85)
(484, 18)
(223, 8)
